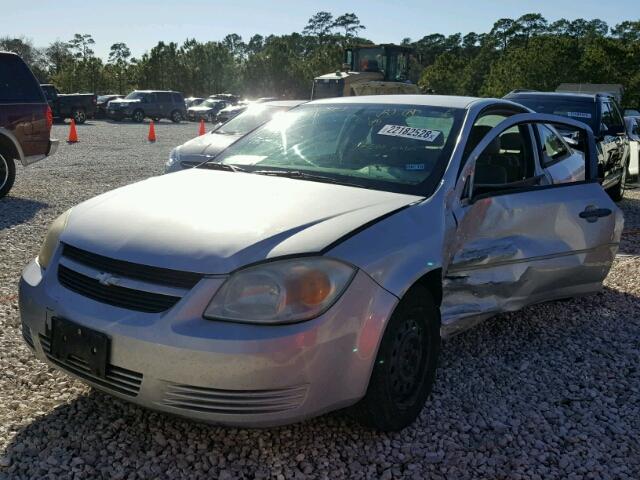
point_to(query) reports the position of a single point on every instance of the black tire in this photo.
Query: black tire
(7, 174)
(405, 367)
(176, 116)
(617, 192)
(79, 115)
(138, 116)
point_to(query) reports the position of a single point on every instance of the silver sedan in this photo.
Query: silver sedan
(318, 262)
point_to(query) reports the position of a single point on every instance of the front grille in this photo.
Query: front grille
(161, 276)
(26, 334)
(121, 380)
(233, 402)
(114, 295)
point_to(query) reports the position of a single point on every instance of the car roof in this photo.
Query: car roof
(451, 101)
(580, 97)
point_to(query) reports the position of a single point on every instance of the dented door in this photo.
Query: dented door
(517, 248)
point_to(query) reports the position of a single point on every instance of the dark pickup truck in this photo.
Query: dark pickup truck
(25, 119)
(78, 106)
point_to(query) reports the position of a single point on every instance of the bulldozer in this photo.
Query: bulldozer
(368, 70)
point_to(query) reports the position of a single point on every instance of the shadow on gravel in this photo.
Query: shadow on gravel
(16, 210)
(553, 370)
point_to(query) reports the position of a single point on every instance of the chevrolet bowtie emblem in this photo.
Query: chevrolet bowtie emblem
(107, 279)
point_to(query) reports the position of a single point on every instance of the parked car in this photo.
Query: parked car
(207, 110)
(633, 131)
(102, 102)
(155, 104)
(78, 106)
(192, 101)
(316, 263)
(602, 113)
(206, 147)
(25, 120)
(230, 98)
(228, 113)
(631, 112)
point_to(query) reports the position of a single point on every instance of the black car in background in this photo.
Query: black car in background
(78, 106)
(155, 104)
(102, 102)
(603, 114)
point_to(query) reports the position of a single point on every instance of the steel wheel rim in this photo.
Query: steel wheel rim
(138, 117)
(4, 172)
(176, 116)
(80, 116)
(408, 361)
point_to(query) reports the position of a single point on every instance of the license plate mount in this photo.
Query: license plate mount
(80, 345)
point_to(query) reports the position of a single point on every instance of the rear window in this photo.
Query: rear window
(584, 112)
(17, 83)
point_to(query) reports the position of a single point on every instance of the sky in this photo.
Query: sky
(142, 23)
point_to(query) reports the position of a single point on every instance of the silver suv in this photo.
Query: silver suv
(155, 104)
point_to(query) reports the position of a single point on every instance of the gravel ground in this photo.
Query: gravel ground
(547, 393)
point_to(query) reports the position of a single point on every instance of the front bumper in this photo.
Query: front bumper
(219, 372)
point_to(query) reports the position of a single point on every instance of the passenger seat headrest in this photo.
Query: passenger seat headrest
(511, 141)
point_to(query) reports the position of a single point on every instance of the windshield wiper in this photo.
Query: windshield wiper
(220, 166)
(304, 176)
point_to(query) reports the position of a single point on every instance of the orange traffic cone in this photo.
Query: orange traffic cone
(201, 132)
(152, 132)
(73, 135)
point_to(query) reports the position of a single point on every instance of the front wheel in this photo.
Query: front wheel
(176, 116)
(138, 116)
(405, 367)
(79, 116)
(617, 192)
(7, 175)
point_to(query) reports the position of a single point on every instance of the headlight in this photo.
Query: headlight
(281, 292)
(51, 240)
(174, 157)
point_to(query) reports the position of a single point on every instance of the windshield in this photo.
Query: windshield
(582, 111)
(251, 118)
(135, 96)
(399, 148)
(210, 102)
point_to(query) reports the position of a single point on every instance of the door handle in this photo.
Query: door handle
(591, 213)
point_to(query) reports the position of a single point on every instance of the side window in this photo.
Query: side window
(507, 160)
(616, 116)
(163, 97)
(177, 98)
(150, 98)
(17, 83)
(607, 117)
(553, 147)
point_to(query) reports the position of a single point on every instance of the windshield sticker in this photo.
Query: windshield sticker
(423, 134)
(578, 115)
(414, 166)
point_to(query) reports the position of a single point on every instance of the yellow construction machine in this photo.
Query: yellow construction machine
(368, 70)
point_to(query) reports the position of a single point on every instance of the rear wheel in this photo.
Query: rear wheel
(176, 116)
(138, 116)
(79, 115)
(405, 367)
(7, 174)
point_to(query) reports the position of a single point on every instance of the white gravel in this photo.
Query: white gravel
(552, 392)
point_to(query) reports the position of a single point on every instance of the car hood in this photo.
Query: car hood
(209, 144)
(214, 222)
(200, 108)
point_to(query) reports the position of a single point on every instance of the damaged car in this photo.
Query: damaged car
(320, 260)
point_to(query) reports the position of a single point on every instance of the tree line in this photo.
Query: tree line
(527, 52)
